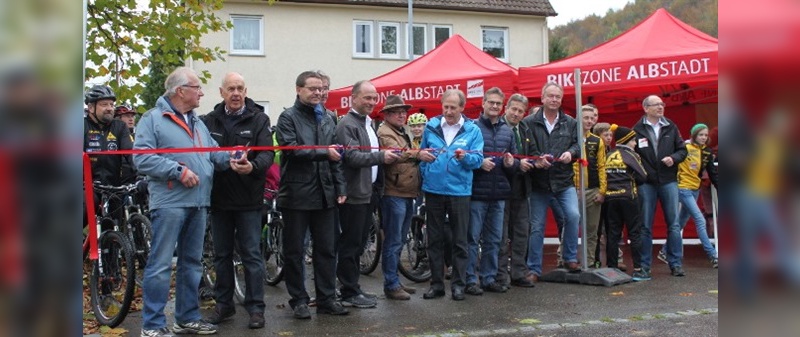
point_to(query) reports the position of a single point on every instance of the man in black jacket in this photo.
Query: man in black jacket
(360, 166)
(555, 140)
(661, 147)
(101, 132)
(236, 199)
(312, 185)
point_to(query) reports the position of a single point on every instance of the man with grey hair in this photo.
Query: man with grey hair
(515, 215)
(447, 183)
(180, 191)
(661, 147)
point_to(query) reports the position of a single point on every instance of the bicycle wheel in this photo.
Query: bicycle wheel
(372, 250)
(112, 281)
(140, 236)
(239, 285)
(272, 252)
(209, 276)
(414, 255)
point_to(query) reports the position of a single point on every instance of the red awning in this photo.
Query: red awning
(661, 55)
(455, 64)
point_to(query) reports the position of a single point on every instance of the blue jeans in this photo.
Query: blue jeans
(538, 203)
(689, 208)
(184, 226)
(668, 195)
(486, 229)
(244, 229)
(396, 215)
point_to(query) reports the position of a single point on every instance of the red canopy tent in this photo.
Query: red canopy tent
(455, 64)
(661, 55)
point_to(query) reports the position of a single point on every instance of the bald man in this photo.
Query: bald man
(236, 200)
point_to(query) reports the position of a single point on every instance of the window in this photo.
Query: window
(390, 39)
(362, 39)
(419, 40)
(246, 35)
(441, 34)
(495, 42)
(265, 104)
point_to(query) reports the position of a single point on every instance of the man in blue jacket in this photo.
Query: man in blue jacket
(180, 193)
(452, 149)
(490, 188)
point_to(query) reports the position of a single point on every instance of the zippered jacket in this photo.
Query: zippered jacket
(446, 175)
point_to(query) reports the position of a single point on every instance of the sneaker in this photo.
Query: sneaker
(473, 289)
(163, 332)
(662, 256)
(714, 263)
(332, 308)
(219, 315)
(677, 271)
(358, 301)
(301, 311)
(494, 287)
(195, 328)
(641, 275)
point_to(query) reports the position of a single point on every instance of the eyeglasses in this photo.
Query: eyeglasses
(196, 87)
(316, 89)
(493, 103)
(657, 104)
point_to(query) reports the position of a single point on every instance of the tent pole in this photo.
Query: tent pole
(410, 30)
(581, 168)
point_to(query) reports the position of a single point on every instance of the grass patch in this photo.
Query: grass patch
(607, 320)
(659, 316)
(636, 318)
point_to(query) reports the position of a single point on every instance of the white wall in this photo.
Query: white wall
(301, 37)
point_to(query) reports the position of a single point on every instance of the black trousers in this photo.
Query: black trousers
(456, 209)
(517, 228)
(323, 233)
(240, 230)
(355, 220)
(625, 212)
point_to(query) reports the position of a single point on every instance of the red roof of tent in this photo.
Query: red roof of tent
(456, 64)
(660, 55)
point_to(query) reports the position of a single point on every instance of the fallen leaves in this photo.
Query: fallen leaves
(618, 293)
(285, 333)
(713, 291)
(530, 321)
(686, 294)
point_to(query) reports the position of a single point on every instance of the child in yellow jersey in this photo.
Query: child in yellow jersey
(690, 171)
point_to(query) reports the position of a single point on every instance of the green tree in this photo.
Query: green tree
(125, 39)
(557, 50)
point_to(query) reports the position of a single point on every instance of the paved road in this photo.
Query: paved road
(664, 306)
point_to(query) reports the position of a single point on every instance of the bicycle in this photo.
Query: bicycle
(209, 274)
(112, 279)
(372, 248)
(133, 220)
(272, 240)
(414, 263)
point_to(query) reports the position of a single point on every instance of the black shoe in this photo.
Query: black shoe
(220, 315)
(360, 301)
(473, 289)
(495, 287)
(332, 308)
(677, 271)
(433, 293)
(301, 311)
(458, 294)
(256, 320)
(525, 282)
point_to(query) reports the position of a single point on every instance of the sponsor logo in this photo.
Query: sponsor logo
(474, 88)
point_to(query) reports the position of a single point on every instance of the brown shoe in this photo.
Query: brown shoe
(410, 290)
(621, 266)
(397, 294)
(573, 267)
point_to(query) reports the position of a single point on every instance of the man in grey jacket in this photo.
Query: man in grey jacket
(360, 165)
(180, 193)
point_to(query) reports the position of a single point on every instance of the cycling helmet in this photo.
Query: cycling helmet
(417, 118)
(123, 109)
(99, 92)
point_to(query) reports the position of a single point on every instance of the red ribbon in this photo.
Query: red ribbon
(88, 189)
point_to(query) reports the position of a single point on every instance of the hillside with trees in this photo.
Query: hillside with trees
(580, 35)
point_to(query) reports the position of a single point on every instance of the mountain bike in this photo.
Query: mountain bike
(272, 240)
(414, 263)
(372, 249)
(112, 279)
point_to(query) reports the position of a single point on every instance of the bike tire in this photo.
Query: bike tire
(209, 277)
(272, 252)
(141, 236)
(372, 249)
(414, 264)
(239, 284)
(112, 289)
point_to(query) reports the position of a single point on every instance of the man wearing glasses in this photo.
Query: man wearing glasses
(312, 186)
(661, 147)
